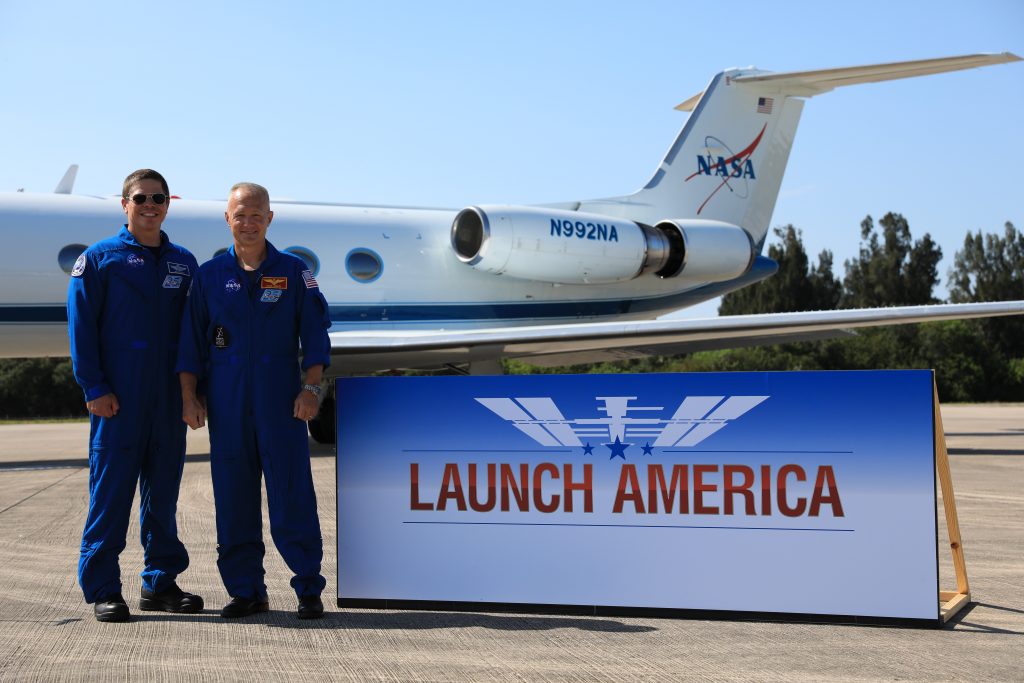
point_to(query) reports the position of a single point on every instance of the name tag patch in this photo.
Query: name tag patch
(267, 282)
(173, 281)
(177, 268)
(271, 295)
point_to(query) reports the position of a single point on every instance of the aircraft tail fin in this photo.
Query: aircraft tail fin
(728, 161)
(68, 181)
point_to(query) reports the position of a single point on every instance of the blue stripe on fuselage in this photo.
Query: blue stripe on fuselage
(493, 312)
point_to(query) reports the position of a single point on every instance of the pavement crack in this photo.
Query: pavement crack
(45, 488)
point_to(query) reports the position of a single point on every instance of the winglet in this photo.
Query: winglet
(68, 181)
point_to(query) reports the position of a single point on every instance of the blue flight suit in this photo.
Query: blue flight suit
(124, 317)
(241, 334)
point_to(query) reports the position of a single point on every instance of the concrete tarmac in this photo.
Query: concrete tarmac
(48, 633)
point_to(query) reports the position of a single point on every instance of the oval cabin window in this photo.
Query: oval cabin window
(363, 265)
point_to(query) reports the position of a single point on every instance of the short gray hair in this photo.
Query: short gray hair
(253, 190)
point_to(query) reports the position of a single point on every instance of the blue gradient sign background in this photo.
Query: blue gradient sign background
(873, 554)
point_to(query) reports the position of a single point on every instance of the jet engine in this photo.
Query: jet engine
(569, 247)
(711, 251)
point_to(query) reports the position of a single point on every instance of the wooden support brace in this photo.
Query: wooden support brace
(953, 601)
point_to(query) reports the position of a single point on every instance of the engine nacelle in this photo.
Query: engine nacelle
(710, 251)
(569, 247)
(551, 245)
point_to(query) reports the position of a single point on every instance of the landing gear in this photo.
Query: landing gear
(322, 427)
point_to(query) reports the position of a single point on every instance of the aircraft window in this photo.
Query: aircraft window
(312, 262)
(220, 251)
(363, 265)
(68, 255)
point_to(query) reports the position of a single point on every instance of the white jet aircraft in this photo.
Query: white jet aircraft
(555, 284)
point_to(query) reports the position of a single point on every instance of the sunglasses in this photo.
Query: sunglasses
(158, 198)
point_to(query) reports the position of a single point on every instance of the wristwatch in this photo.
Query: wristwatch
(312, 388)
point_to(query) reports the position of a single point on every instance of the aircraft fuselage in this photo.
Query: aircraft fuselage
(379, 267)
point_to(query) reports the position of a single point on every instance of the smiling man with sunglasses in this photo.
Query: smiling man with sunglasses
(125, 302)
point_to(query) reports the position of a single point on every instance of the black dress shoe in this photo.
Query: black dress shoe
(171, 599)
(112, 608)
(243, 607)
(310, 607)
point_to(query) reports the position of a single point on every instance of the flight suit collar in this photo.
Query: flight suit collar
(273, 256)
(126, 236)
(255, 287)
(140, 278)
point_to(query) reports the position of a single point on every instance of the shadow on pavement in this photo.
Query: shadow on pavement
(986, 451)
(960, 624)
(78, 463)
(435, 620)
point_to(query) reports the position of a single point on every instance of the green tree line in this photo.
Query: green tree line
(974, 360)
(39, 387)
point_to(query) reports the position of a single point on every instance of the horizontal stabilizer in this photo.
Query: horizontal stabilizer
(810, 83)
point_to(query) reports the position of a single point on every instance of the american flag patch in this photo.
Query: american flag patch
(764, 105)
(310, 281)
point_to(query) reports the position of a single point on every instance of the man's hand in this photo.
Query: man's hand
(193, 411)
(193, 408)
(306, 406)
(104, 406)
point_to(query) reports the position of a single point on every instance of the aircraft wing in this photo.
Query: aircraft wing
(574, 343)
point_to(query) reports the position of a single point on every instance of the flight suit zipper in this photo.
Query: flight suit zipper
(249, 366)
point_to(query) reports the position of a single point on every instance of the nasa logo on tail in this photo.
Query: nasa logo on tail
(734, 169)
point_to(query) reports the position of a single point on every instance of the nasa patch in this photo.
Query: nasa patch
(173, 281)
(136, 261)
(232, 286)
(177, 268)
(221, 338)
(271, 295)
(79, 267)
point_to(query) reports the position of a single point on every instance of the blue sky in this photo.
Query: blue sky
(454, 103)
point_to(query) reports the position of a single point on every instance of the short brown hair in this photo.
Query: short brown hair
(142, 174)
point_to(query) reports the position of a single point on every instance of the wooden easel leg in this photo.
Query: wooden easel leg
(951, 602)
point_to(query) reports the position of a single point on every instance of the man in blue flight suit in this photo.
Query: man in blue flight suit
(247, 312)
(125, 304)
